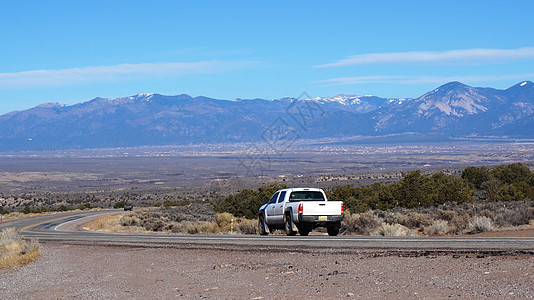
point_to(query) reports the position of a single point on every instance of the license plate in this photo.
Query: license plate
(323, 218)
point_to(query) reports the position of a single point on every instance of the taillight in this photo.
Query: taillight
(300, 208)
(342, 207)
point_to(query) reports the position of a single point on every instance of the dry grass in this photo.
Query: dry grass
(195, 218)
(448, 218)
(19, 215)
(113, 223)
(221, 225)
(138, 222)
(247, 226)
(363, 223)
(202, 228)
(386, 229)
(223, 218)
(224, 221)
(16, 252)
(129, 221)
(438, 227)
(480, 224)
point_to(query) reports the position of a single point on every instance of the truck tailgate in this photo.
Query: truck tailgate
(321, 208)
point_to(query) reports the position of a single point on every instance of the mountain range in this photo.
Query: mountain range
(453, 110)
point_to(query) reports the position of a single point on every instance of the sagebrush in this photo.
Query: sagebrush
(14, 251)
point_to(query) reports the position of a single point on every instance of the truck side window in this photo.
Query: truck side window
(273, 199)
(282, 196)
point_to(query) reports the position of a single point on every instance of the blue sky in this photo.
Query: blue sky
(73, 51)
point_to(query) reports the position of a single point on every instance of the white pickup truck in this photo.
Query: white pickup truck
(302, 209)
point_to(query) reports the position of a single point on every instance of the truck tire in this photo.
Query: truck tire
(304, 231)
(262, 227)
(288, 225)
(333, 230)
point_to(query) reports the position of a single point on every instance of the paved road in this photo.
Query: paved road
(54, 228)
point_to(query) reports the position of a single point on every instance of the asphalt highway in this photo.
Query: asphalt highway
(54, 228)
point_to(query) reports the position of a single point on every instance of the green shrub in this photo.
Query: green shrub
(26, 210)
(513, 173)
(63, 207)
(412, 191)
(247, 202)
(120, 204)
(476, 176)
(170, 203)
(85, 206)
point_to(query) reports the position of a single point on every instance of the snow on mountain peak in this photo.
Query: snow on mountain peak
(50, 105)
(122, 100)
(524, 83)
(454, 102)
(144, 96)
(341, 99)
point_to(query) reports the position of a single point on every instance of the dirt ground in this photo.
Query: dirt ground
(99, 272)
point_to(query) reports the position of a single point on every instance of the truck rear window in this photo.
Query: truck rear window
(306, 196)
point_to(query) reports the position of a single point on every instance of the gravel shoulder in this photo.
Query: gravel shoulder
(99, 272)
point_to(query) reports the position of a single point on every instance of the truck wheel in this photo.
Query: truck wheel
(262, 227)
(288, 224)
(332, 230)
(304, 231)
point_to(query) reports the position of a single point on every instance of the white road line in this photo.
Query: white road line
(56, 228)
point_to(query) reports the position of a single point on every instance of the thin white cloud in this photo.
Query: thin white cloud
(420, 79)
(465, 56)
(63, 77)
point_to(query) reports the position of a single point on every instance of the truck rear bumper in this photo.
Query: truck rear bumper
(320, 219)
